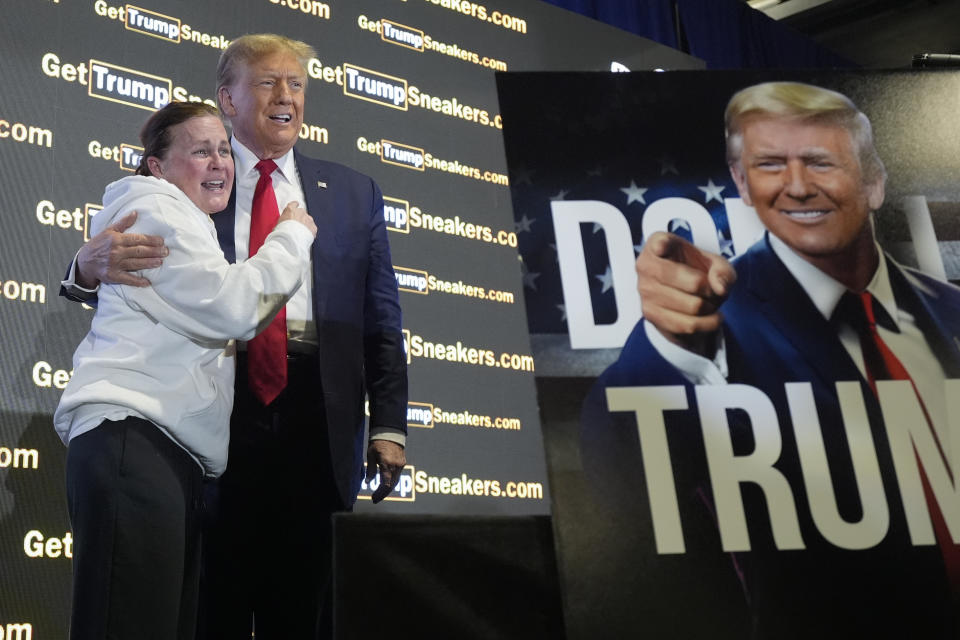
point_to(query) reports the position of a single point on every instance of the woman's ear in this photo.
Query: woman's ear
(153, 163)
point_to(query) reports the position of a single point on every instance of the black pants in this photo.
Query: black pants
(267, 536)
(134, 498)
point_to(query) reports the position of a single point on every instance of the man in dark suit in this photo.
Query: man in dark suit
(841, 546)
(295, 455)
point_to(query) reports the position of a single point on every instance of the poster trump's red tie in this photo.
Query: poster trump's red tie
(882, 364)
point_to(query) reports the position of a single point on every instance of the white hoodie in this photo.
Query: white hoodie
(165, 352)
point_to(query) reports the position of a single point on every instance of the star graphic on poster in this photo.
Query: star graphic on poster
(563, 312)
(637, 248)
(667, 166)
(522, 175)
(529, 279)
(523, 224)
(606, 279)
(560, 195)
(634, 193)
(712, 191)
(679, 223)
(726, 246)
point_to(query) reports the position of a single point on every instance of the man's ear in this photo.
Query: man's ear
(226, 103)
(153, 163)
(740, 179)
(875, 193)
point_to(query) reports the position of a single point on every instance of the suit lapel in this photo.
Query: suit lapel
(790, 312)
(224, 221)
(318, 193)
(316, 187)
(929, 312)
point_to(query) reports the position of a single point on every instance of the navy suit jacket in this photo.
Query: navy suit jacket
(774, 335)
(355, 307)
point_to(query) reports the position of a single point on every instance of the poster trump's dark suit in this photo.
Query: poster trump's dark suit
(779, 345)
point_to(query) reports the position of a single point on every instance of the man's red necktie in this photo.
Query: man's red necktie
(881, 364)
(266, 353)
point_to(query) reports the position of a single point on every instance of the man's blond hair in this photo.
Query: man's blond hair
(253, 46)
(805, 103)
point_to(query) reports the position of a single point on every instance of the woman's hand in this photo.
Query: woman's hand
(293, 211)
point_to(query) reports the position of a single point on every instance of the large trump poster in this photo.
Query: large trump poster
(747, 347)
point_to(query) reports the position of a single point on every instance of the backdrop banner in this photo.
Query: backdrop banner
(769, 479)
(401, 91)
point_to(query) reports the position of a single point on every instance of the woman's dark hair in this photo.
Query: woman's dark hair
(155, 134)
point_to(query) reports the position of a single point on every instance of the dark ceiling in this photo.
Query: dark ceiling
(876, 34)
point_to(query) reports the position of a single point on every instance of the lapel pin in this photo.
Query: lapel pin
(322, 185)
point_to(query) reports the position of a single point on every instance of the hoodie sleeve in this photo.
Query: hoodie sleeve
(196, 292)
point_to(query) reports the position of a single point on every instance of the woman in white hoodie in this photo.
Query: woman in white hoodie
(146, 413)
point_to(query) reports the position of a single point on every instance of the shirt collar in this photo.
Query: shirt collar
(245, 162)
(824, 291)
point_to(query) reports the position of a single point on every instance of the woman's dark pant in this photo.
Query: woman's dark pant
(134, 498)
